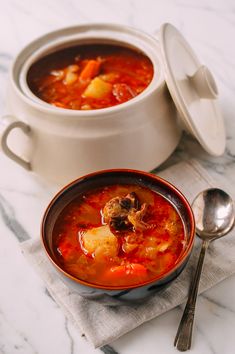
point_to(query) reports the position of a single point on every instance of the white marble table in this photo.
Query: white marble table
(30, 321)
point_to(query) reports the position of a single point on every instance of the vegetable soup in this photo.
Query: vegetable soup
(118, 235)
(89, 77)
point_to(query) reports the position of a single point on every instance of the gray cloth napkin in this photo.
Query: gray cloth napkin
(103, 324)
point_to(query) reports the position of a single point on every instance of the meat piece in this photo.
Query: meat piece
(135, 217)
(123, 213)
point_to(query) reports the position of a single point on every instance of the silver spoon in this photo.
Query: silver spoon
(214, 215)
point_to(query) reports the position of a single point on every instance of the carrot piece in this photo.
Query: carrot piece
(90, 70)
(117, 272)
(133, 269)
(137, 269)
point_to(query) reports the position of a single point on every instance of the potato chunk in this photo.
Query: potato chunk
(97, 89)
(100, 242)
(70, 78)
(71, 75)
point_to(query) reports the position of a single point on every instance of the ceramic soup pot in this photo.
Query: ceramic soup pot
(62, 144)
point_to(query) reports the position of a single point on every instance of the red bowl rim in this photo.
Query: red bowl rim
(155, 178)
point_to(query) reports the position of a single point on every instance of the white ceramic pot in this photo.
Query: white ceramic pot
(63, 144)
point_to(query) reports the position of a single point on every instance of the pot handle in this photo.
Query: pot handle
(7, 124)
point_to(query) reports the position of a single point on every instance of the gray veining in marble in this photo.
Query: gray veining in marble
(8, 217)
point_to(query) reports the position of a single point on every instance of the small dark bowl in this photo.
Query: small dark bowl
(113, 295)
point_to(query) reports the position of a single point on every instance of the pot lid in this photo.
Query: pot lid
(193, 90)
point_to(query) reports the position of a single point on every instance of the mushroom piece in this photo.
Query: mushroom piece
(123, 213)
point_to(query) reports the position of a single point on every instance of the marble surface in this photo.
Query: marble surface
(30, 321)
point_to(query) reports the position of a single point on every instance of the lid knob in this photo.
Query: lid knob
(204, 83)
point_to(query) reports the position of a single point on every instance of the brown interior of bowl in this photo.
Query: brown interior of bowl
(111, 177)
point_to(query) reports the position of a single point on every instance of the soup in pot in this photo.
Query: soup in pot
(88, 77)
(118, 235)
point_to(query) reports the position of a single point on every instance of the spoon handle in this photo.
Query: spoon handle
(184, 334)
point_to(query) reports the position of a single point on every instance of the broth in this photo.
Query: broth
(89, 77)
(119, 235)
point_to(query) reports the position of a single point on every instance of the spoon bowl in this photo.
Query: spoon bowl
(214, 213)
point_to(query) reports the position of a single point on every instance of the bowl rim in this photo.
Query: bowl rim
(155, 178)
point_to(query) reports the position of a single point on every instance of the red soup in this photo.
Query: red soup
(90, 76)
(119, 235)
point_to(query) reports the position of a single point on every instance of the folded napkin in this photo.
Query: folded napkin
(103, 324)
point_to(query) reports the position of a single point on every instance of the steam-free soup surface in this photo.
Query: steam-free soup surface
(90, 76)
(119, 235)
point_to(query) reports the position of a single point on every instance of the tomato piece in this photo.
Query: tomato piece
(68, 248)
(65, 248)
(166, 261)
(123, 92)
